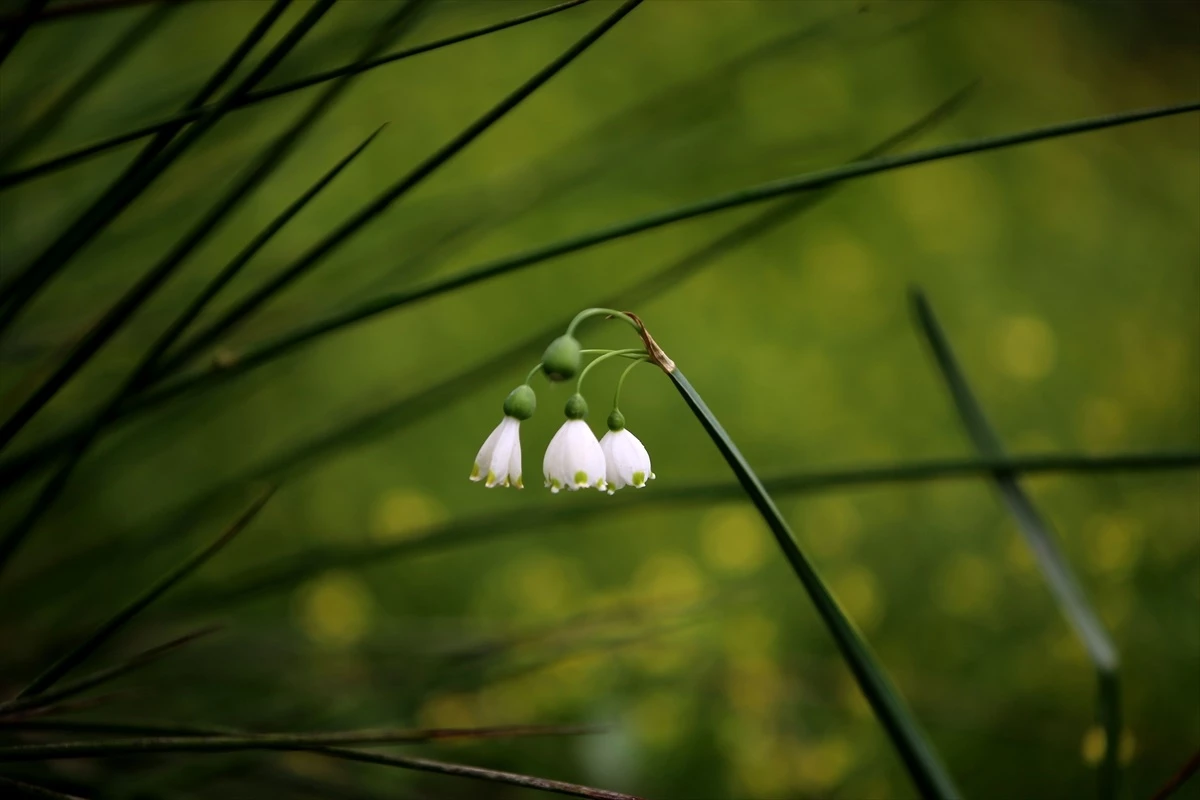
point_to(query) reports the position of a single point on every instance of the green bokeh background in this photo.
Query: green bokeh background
(1066, 273)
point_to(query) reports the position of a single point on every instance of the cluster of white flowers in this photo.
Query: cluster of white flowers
(575, 459)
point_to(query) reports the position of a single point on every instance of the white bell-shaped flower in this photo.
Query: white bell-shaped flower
(499, 460)
(574, 459)
(626, 461)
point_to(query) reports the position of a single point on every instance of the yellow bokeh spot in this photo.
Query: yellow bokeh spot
(1025, 347)
(1114, 543)
(832, 525)
(451, 710)
(754, 686)
(858, 592)
(659, 718)
(309, 765)
(749, 634)
(967, 587)
(404, 513)
(821, 766)
(1094, 745)
(669, 579)
(732, 539)
(540, 583)
(334, 610)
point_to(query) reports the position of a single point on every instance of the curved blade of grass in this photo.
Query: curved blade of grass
(22, 789)
(408, 410)
(125, 307)
(273, 348)
(56, 163)
(68, 9)
(144, 658)
(1063, 585)
(21, 22)
(403, 762)
(106, 748)
(383, 201)
(121, 50)
(1176, 781)
(153, 160)
(919, 757)
(81, 652)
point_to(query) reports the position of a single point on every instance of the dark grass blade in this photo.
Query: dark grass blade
(20, 23)
(101, 677)
(304, 334)
(1069, 595)
(107, 748)
(81, 652)
(403, 762)
(19, 176)
(382, 202)
(23, 464)
(29, 790)
(919, 757)
(160, 153)
(272, 157)
(120, 52)
(1176, 781)
(62, 10)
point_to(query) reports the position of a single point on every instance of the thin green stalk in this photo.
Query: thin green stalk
(101, 677)
(403, 762)
(118, 53)
(29, 790)
(108, 748)
(19, 25)
(918, 754)
(154, 159)
(1071, 599)
(56, 163)
(124, 309)
(628, 353)
(86, 648)
(273, 348)
(383, 201)
(24, 464)
(621, 382)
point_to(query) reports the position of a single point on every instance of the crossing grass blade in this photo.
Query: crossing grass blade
(395, 192)
(101, 677)
(117, 54)
(19, 176)
(303, 334)
(152, 161)
(918, 754)
(411, 409)
(108, 748)
(363, 756)
(1071, 599)
(30, 790)
(20, 23)
(114, 624)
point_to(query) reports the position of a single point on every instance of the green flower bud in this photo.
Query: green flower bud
(561, 359)
(520, 403)
(576, 407)
(616, 420)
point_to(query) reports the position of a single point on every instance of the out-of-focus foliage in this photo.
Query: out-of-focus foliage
(1066, 273)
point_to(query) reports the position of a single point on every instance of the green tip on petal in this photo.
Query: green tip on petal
(518, 483)
(491, 478)
(639, 479)
(581, 478)
(474, 472)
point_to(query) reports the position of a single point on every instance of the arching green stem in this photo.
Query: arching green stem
(621, 381)
(595, 312)
(532, 372)
(602, 357)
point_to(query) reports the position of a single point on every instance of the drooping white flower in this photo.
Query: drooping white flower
(574, 459)
(499, 460)
(627, 462)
